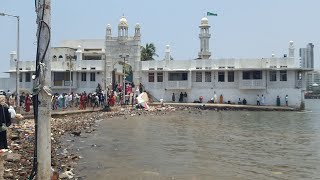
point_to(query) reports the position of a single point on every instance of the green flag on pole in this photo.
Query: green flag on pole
(211, 14)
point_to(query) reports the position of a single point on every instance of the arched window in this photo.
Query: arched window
(54, 58)
(60, 56)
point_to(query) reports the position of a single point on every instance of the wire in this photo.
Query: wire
(35, 98)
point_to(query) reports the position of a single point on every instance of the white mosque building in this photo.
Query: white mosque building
(79, 65)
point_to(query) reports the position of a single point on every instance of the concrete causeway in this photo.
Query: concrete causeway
(231, 106)
(195, 105)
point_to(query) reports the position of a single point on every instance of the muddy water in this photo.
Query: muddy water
(204, 145)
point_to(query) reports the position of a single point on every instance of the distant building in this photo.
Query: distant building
(307, 56)
(313, 80)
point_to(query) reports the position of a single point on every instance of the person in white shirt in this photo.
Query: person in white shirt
(215, 100)
(77, 97)
(262, 101)
(66, 100)
(70, 100)
(258, 100)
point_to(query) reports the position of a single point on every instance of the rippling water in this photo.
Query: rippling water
(205, 145)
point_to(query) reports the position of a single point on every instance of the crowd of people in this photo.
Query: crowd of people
(60, 101)
(260, 100)
(115, 96)
(25, 100)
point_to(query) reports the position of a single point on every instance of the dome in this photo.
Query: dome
(108, 26)
(123, 22)
(137, 26)
(204, 21)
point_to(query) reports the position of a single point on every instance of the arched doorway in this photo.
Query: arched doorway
(125, 77)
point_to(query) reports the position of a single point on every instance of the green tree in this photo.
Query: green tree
(148, 52)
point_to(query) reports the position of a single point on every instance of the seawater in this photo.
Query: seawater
(204, 145)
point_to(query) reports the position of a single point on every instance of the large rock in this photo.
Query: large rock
(13, 157)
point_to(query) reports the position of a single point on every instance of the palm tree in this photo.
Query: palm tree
(148, 52)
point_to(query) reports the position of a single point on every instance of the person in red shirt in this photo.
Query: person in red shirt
(27, 103)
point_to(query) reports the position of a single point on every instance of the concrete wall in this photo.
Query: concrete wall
(233, 95)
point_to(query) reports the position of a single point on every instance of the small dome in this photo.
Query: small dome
(167, 48)
(204, 21)
(108, 26)
(137, 26)
(79, 48)
(123, 22)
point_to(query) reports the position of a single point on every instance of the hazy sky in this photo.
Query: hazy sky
(243, 28)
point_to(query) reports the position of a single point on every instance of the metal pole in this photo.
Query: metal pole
(70, 74)
(105, 83)
(124, 78)
(18, 69)
(44, 113)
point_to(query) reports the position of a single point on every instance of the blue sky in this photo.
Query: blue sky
(246, 28)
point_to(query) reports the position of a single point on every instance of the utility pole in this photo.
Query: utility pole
(43, 10)
(105, 82)
(18, 69)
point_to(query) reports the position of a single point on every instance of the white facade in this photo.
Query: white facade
(90, 61)
(231, 78)
(270, 77)
(101, 61)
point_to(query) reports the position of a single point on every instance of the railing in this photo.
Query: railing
(67, 83)
(63, 84)
(177, 85)
(154, 85)
(202, 84)
(252, 84)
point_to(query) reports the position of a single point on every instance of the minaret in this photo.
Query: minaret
(123, 28)
(291, 50)
(108, 33)
(13, 60)
(79, 53)
(167, 54)
(204, 39)
(137, 33)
